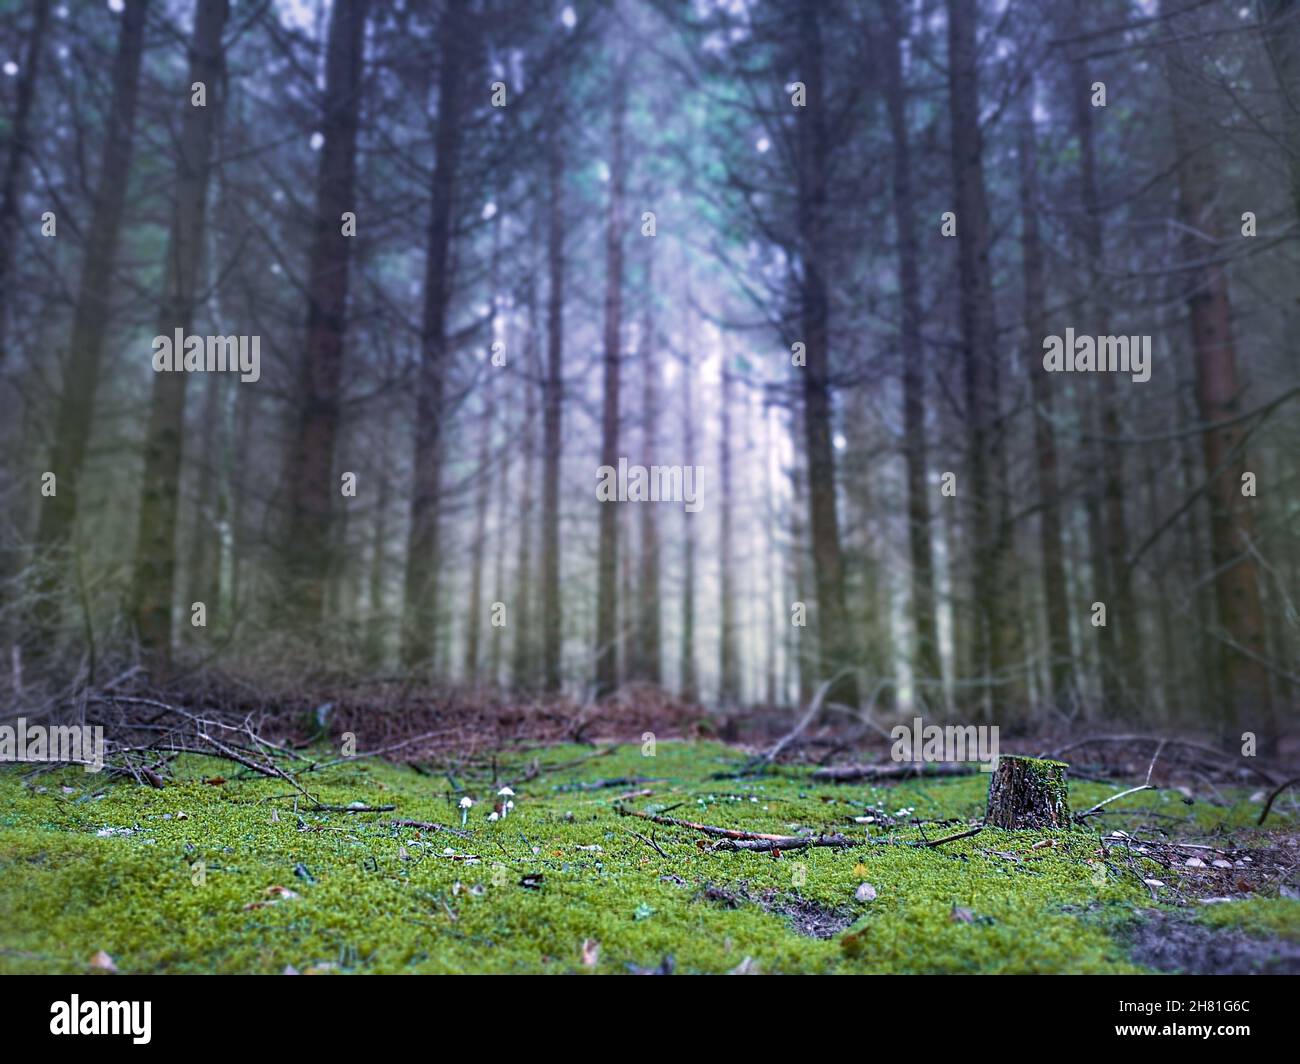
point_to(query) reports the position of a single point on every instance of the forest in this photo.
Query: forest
(653, 486)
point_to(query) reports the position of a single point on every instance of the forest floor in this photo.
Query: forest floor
(226, 871)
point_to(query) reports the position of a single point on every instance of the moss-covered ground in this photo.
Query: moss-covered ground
(237, 876)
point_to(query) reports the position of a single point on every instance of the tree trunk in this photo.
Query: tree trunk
(552, 423)
(1246, 690)
(11, 188)
(524, 653)
(978, 341)
(309, 548)
(1056, 599)
(607, 569)
(155, 560)
(1026, 792)
(92, 315)
(1280, 20)
(728, 659)
(420, 612)
(834, 633)
(927, 669)
(1121, 637)
(649, 652)
(478, 533)
(689, 686)
(377, 628)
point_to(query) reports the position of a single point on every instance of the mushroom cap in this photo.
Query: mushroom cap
(466, 802)
(506, 792)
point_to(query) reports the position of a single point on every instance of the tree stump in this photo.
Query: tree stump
(1027, 792)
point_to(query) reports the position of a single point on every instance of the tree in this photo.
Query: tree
(913, 356)
(19, 143)
(93, 314)
(423, 542)
(156, 547)
(728, 655)
(1055, 595)
(1219, 393)
(1121, 636)
(978, 336)
(648, 660)
(607, 634)
(310, 548)
(553, 415)
(835, 642)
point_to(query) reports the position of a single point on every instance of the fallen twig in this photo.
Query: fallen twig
(1113, 798)
(650, 842)
(953, 838)
(708, 829)
(895, 770)
(786, 842)
(1222, 757)
(1268, 804)
(814, 707)
(429, 825)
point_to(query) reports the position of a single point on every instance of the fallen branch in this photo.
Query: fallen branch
(1113, 798)
(753, 841)
(1222, 757)
(814, 707)
(894, 770)
(953, 838)
(1268, 804)
(767, 843)
(708, 829)
(649, 842)
(429, 825)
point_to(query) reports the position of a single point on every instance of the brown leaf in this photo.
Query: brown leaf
(854, 944)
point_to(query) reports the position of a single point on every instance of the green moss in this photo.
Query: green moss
(112, 866)
(1259, 917)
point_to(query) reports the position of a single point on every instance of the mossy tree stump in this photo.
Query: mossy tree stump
(1027, 792)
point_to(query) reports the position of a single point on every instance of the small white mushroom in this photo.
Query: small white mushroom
(505, 794)
(466, 804)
